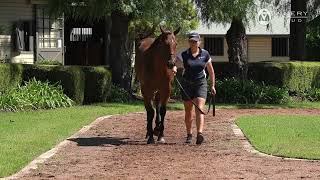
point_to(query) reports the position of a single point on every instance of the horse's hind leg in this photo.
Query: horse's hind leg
(156, 130)
(150, 115)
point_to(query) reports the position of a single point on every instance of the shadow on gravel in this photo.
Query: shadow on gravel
(102, 141)
(99, 141)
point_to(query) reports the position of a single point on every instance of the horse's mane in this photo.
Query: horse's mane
(158, 39)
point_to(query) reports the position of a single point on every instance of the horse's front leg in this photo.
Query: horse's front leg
(150, 115)
(163, 110)
(156, 130)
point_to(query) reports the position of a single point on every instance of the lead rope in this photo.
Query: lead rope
(211, 100)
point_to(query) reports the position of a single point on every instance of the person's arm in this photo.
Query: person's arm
(212, 76)
(178, 64)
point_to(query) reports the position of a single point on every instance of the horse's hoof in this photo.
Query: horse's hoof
(156, 131)
(161, 140)
(150, 140)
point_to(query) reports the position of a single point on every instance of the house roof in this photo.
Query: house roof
(278, 26)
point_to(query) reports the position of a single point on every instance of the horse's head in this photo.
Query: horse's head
(168, 42)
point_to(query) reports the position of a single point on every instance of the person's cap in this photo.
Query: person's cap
(194, 36)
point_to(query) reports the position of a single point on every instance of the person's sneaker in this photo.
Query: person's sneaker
(189, 139)
(200, 138)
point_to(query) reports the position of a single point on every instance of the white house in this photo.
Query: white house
(28, 32)
(265, 42)
(31, 35)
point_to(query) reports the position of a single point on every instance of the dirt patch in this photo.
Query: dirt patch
(116, 149)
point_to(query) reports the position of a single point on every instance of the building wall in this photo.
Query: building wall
(15, 10)
(5, 47)
(259, 49)
(12, 11)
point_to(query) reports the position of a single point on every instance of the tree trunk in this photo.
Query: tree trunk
(237, 48)
(298, 31)
(107, 40)
(120, 51)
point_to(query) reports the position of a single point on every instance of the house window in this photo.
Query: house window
(280, 47)
(23, 36)
(81, 34)
(49, 30)
(214, 45)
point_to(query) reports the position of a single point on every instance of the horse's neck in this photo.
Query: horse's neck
(153, 53)
(146, 44)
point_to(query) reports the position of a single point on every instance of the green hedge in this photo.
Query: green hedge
(295, 76)
(97, 84)
(10, 76)
(81, 84)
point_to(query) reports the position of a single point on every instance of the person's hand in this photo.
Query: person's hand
(213, 90)
(174, 70)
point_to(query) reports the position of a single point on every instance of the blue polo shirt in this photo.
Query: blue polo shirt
(195, 66)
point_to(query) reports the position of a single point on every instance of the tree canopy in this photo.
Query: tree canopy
(283, 6)
(142, 13)
(223, 11)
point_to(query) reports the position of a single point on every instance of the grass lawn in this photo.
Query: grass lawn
(287, 136)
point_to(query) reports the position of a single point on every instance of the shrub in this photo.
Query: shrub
(118, 94)
(71, 78)
(82, 84)
(312, 94)
(10, 76)
(274, 95)
(34, 95)
(294, 76)
(97, 84)
(49, 62)
(231, 90)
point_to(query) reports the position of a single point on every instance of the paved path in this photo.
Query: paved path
(115, 148)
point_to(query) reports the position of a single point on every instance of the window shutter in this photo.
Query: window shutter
(19, 36)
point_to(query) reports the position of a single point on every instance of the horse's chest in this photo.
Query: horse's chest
(157, 80)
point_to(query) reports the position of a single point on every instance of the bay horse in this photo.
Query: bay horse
(154, 59)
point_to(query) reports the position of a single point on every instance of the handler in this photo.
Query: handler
(194, 60)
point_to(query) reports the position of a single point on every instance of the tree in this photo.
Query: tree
(129, 20)
(238, 13)
(297, 26)
(313, 39)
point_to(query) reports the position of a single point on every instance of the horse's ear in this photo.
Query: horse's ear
(177, 31)
(162, 30)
